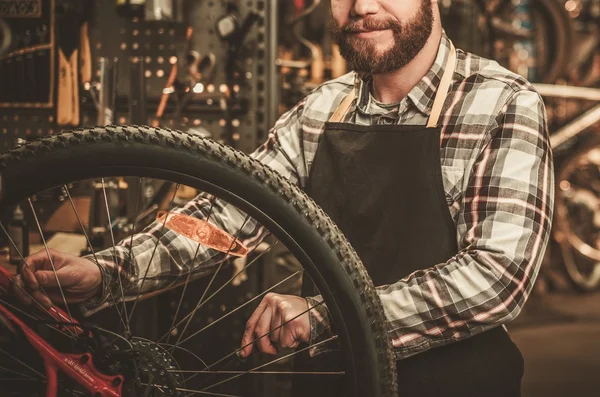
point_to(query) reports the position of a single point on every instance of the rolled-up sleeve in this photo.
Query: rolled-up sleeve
(503, 228)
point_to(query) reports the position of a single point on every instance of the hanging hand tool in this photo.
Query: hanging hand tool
(85, 53)
(69, 15)
(42, 65)
(5, 37)
(29, 67)
(314, 50)
(235, 30)
(169, 87)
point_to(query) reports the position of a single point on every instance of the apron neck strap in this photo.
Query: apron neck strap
(343, 108)
(443, 88)
(438, 103)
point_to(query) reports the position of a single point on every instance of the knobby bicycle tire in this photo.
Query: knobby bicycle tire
(218, 169)
(571, 245)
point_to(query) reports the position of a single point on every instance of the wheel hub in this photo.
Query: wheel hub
(155, 376)
(148, 368)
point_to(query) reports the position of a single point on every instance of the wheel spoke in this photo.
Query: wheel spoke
(168, 334)
(62, 294)
(214, 276)
(205, 393)
(23, 290)
(187, 281)
(135, 214)
(17, 373)
(202, 303)
(185, 350)
(181, 371)
(89, 242)
(118, 268)
(236, 351)
(271, 362)
(11, 280)
(240, 306)
(32, 317)
(23, 364)
(153, 252)
(135, 220)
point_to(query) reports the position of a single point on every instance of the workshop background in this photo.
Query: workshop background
(228, 69)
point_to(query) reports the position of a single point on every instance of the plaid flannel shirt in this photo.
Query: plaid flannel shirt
(499, 184)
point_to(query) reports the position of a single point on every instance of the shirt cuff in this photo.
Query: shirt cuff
(110, 287)
(320, 326)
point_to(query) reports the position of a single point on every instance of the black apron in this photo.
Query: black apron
(382, 185)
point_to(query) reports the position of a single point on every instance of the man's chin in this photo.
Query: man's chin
(373, 49)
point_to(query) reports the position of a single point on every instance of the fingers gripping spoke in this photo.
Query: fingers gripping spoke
(62, 293)
(242, 306)
(236, 351)
(23, 290)
(89, 242)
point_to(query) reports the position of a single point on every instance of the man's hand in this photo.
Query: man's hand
(273, 311)
(80, 279)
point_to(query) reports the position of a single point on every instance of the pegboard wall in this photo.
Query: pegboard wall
(231, 106)
(27, 71)
(158, 43)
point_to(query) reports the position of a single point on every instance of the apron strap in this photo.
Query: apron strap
(342, 109)
(438, 103)
(442, 91)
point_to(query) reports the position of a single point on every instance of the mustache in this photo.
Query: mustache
(366, 24)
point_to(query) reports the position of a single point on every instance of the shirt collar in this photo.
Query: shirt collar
(421, 96)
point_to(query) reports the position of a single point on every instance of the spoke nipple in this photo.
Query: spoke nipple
(116, 381)
(240, 357)
(84, 359)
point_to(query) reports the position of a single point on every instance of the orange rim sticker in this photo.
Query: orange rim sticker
(203, 233)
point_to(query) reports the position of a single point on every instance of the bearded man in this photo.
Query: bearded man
(436, 165)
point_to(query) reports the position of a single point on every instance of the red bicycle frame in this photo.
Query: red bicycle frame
(79, 367)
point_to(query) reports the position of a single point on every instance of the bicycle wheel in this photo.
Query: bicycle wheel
(553, 35)
(554, 39)
(577, 228)
(222, 176)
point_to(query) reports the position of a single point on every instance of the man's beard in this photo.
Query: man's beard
(409, 40)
